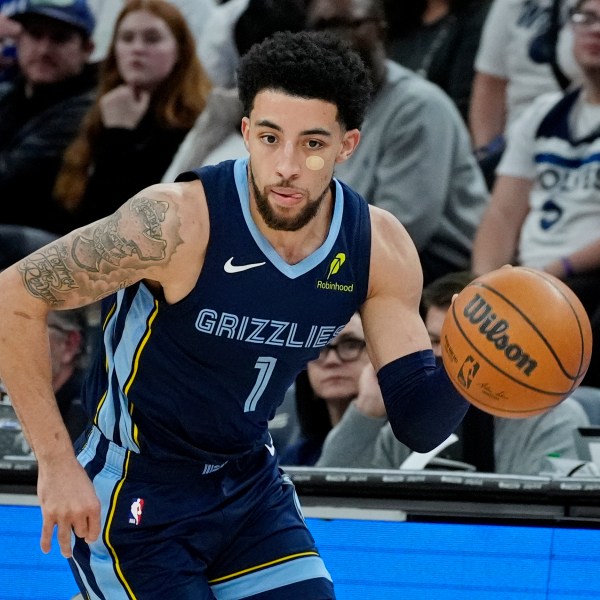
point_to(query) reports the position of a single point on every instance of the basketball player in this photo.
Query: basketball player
(218, 290)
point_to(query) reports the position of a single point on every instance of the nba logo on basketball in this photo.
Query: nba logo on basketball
(135, 512)
(467, 372)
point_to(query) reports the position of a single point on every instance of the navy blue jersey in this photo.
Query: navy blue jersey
(201, 378)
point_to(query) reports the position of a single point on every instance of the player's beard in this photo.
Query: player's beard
(279, 222)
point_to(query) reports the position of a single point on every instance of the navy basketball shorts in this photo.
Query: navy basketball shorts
(190, 532)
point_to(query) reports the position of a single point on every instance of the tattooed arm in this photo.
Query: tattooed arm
(159, 236)
(144, 239)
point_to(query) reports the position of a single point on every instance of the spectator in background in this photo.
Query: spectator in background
(545, 207)
(197, 14)
(415, 157)
(152, 89)
(68, 332)
(68, 353)
(216, 135)
(512, 69)
(514, 446)
(438, 39)
(217, 46)
(41, 109)
(237, 24)
(324, 391)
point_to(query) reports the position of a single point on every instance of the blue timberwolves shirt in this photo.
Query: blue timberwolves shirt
(201, 378)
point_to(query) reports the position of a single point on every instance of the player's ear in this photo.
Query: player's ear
(349, 144)
(245, 131)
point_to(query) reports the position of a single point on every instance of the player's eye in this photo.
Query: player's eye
(314, 144)
(268, 138)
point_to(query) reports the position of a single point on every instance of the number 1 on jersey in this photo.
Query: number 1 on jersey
(265, 366)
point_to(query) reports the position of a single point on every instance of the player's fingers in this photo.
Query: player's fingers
(46, 537)
(80, 526)
(64, 538)
(93, 526)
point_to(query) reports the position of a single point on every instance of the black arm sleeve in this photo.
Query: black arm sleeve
(423, 406)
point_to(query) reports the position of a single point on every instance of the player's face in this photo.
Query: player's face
(294, 144)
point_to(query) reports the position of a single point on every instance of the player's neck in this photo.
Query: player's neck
(295, 246)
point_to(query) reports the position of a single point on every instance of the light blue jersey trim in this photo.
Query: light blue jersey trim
(318, 256)
(121, 362)
(106, 416)
(294, 571)
(101, 562)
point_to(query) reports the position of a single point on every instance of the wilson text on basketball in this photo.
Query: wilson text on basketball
(495, 329)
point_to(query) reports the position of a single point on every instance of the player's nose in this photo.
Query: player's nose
(288, 164)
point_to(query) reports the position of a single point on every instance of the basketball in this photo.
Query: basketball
(516, 342)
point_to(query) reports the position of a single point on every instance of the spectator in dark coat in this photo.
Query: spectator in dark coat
(41, 109)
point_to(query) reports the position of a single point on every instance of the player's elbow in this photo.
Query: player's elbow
(419, 439)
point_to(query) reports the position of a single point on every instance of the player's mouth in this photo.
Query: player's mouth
(286, 196)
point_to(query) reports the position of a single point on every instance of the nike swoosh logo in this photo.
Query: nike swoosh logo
(270, 448)
(231, 268)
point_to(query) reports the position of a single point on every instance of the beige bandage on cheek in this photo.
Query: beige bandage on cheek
(315, 163)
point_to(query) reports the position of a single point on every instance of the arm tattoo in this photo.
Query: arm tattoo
(108, 244)
(47, 273)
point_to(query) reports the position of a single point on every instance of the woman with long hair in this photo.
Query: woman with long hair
(151, 89)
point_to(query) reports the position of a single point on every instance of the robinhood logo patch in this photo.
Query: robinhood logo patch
(334, 267)
(336, 264)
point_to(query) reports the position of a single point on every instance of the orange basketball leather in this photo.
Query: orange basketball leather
(516, 342)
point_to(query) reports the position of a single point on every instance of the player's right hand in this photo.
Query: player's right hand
(69, 503)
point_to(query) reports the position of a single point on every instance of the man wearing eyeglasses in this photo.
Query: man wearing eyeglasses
(545, 207)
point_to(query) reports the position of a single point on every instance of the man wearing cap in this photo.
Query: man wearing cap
(41, 109)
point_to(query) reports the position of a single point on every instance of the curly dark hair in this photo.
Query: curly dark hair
(307, 64)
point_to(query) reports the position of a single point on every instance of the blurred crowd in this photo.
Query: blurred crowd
(482, 138)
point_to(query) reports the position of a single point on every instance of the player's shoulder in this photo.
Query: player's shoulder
(180, 191)
(179, 196)
(173, 215)
(384, 225)
(391, 245)
(178, 209)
